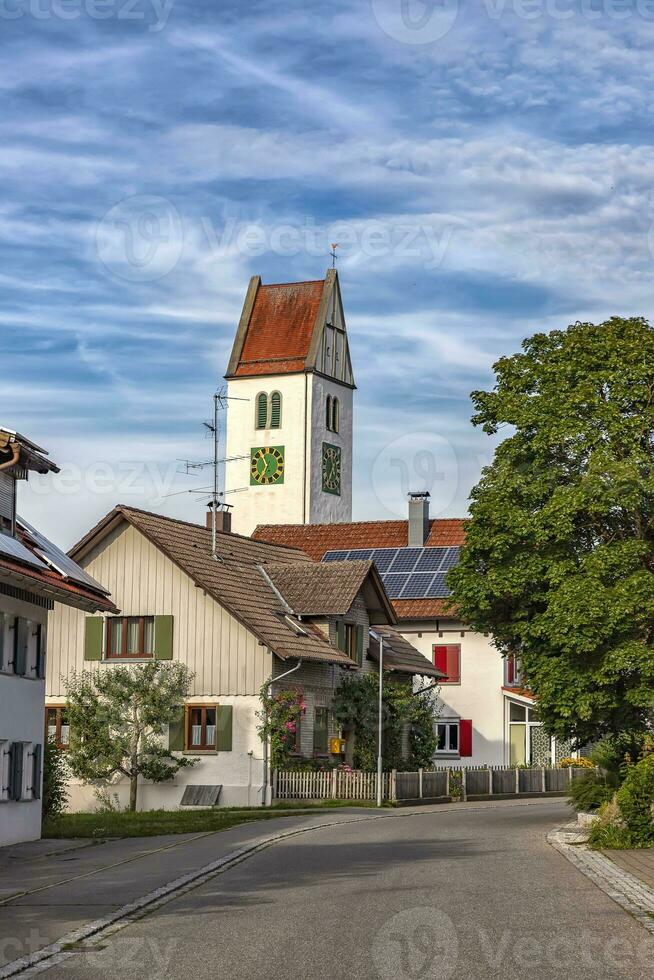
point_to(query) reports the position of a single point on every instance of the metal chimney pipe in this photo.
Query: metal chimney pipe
(418, 519)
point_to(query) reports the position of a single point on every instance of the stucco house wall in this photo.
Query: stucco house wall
(21, 720)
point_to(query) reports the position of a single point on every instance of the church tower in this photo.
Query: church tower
(289, 418)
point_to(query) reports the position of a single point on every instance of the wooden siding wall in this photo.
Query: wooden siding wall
(225, 657)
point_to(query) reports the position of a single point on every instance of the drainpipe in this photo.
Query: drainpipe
(15, 450)
(273, 680)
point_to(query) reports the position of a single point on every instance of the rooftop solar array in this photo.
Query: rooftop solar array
(407, 573)
(59, 560)
(12, 548)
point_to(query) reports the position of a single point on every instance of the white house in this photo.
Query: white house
(35, 577)
(249, 614)
(486, 715)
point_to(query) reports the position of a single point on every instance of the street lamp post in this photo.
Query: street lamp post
(380, 722)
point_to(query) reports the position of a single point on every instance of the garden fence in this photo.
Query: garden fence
(425, 784)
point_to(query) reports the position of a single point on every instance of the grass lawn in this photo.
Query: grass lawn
(151, 823)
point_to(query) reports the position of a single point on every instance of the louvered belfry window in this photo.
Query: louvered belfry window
(262, 410)
(275, 410)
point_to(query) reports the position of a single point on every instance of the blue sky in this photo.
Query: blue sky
(487, 169)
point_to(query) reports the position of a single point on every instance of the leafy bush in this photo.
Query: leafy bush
(590, 791)
(55, 778)
(581, 763)
(636, 800)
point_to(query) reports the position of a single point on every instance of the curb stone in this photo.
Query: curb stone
(88, 935)
(625, 889)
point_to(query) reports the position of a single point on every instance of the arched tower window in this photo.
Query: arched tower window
(336, 413)
(261, 414)
(329, 413)
(275, 410)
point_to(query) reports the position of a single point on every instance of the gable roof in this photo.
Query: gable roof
(400, 655)
(317, 539)
(329, 589)
(281, 327)
(239, 580)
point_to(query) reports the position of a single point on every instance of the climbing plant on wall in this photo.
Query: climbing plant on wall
(280, 719)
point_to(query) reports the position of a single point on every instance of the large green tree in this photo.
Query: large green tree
(117, 716)
(559, 555)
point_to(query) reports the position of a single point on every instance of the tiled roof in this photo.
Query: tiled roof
(400, 655)
(321, 589)
(317, 539)
(237, 579)
(423, 609)
(280, 329)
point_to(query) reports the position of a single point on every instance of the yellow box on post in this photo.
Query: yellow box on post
(337, 746)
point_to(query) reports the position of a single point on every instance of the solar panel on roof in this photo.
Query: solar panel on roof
(12, 548)
(405, 559)
(383, 557)
(394, 584)
(431, 560)
(59, 560)
(408, 573)
(418, 586)
(438, 587)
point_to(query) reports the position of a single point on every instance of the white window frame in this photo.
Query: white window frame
(449, 723)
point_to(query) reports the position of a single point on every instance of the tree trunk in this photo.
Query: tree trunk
(133, 790)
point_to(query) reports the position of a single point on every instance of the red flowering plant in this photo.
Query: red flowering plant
(280, 720)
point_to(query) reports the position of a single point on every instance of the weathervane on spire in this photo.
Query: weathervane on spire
(333, 254)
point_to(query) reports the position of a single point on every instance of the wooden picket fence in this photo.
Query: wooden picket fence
(435, 784)
(334, 785)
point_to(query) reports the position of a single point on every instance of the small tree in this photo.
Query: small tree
(117, 717)
(55, 778)
(356, 704)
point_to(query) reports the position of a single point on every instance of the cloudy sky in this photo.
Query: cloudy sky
(486, 168)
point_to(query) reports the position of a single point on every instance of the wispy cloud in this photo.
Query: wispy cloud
(483, 184)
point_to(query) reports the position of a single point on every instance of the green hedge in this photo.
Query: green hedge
(635, 799)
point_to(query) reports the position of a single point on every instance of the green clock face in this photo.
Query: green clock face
(331, 469)
(266, 466)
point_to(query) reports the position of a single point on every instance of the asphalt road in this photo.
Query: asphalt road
(438, 894)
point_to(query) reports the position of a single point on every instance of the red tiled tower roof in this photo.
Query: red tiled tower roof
(280, 330)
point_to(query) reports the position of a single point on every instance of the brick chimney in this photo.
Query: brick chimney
(418, 519)
(223, 518)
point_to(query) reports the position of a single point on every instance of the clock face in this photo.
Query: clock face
(331, 469)
(266, 466)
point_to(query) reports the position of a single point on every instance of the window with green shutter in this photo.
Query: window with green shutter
(262, 411)
(275, 410)
(93, 636)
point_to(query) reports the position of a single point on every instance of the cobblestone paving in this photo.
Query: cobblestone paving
(634, 895)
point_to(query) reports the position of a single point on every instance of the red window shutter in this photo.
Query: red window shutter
(440, 658)
(510, 671)
(453, 664)
(465, 738)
